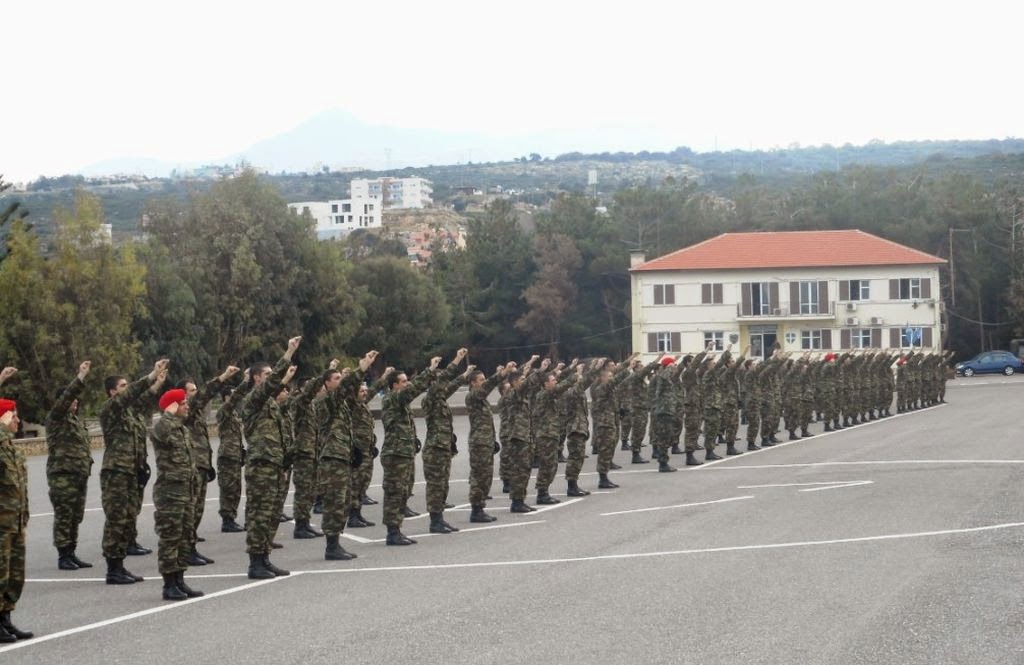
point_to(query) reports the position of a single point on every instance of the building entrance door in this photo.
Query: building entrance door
(762, 339)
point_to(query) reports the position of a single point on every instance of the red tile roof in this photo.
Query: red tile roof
(790, 249)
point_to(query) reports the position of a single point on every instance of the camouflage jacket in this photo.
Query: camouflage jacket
(304, 412)
(548, 418)
(576, 411)
(175, 454)
(436, 410)
(267, 428)
(229, 423)
(690, 382)
(196, 423)
(67, 439)
(602, 397)
(13, 485)
(519, 408)
(481, 419)
(635, 387)
(336, 426)
(396, 412)
(120, 426)
(363, 435)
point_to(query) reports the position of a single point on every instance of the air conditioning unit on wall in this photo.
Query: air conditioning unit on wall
(851, 307)
(877, 320)
(852, 321)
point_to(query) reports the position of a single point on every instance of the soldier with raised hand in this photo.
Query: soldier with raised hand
(13, 519)
(306, 418)
(483, 442)
(267, 432)
(548, 427)
(730, 388)
(690, 378)
(195, 422)
(602, 394)
(68, 465)
(636, 391)
(666, 394)
(364, 439)
(521, 384)
(441, 443)
(231, 455)
(121, 475)
(751, 379)
(398, 455)
(174, 493)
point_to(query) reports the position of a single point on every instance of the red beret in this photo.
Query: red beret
(174, 396)
(7, 405)
(829, 357)
(667, 360)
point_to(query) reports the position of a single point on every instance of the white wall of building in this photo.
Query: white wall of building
(341, 216)
(691, 320)
(395, 192)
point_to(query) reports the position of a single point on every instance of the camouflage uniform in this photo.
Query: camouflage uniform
(729, 385)
(771, 397)
(305, 417)
(119, 474)
(365, 439)
(202, 454)
(520, 455)
(267, 433)
(712, 401)
(752, 393)
(398, 455)
(13, 521)
(481, 441)
(665, 406)
(624, 402)
(577, 425)
(637, 392)
(504, 466)
(174, 492)
(548, 428)
(689, 384)
(230, 453)
(68, 465)
(604, 411)
(440, 443)
(336, 455)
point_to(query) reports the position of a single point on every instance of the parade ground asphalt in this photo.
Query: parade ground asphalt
(897, 541)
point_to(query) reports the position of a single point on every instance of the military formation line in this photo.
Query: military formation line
(321, 438)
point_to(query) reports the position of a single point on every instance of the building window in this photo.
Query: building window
(860, 289)
(334, 207)
(809, 297)
(717, 337)
(810, 339)
(910, 289)
(711, 294)
(911, 337)
(664, 342)
(861, 338)
(346, 207)
(760, 299)
(664, 294)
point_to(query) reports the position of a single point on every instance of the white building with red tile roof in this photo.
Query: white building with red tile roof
(807, 290)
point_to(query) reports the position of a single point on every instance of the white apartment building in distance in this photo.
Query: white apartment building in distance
(807, 290)
(341, 216)
(395, 192)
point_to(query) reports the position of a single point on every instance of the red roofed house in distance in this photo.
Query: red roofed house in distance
(807, 290)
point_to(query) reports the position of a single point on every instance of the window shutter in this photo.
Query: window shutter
(844, 289)
(652, 342)
(716, 294)
(826, 339)
(926, 288)
(773, 296)
(844, 338)
(876, 338)
(926, 337)
(823, 297)
(670, 294)
(894, 289)
(676, 343)
(794, 297)
(705, 294)
(894, 338)
(659, 294)
(746, 306)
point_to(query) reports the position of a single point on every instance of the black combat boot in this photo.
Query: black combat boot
(5, 623)
(605, 483)
(5, 637)
(520, 506)
(116, 573)
(335, 552)
(624, 445)
(730, 449)
(545, 499)
(396, 537)
(282, 518)
(357, 521)
(134, 549)
(64, 560)
(614, 467)
(793, 436)
(367, 501)
(752, 446)
(692, 460)
(304, 530)
(79, 562)
(229, 525)
(196, 559)
(506, 487)
(274, 545)
(773, 439)
(663, 467)
(676, 450)
(710, 456)
(189, 591)
(409, 512)
(171, 590)
(836, 425)
(765, 443)
(804, 433)
(258, 569)
(478, 515)
(437, 524)
(721, 439)
(574, 489)
(828, 426)
(279, 572)
(638, 459)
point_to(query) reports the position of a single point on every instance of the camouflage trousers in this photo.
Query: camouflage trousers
(229, 481)
(481, 471)
(604, 441)
(335, 485)
(504, 468)
(410, 482)
(577, 445)
(304, 474)
(662, 431)
(712, 427)
(200, 499)
(283, 482)
(791, 414)
(830, 408)
(396, 486)
(12, 568)
(691, 423)
(752, 412)
(730, 422)
(769, 417)
(175, 503)
(520, 456)
(360, 481)
(67, 494)
(547, 454)
(625, 424)
(638, 427)
(437, 470)
(263, 496)
(120, 497)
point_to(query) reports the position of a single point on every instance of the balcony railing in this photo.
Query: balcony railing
(783, 311)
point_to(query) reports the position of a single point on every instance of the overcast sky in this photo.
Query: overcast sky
(189, 81)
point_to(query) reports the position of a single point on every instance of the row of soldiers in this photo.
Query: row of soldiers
(321, 438)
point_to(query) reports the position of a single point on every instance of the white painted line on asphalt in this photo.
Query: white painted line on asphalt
(466, 530)
(841, 483)
(357, 539)
(817, 436)
(42, 639)
(797, 465)
(680, 505)
(856, 483)
(92, 510)
(673, 553)
(556, 506)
